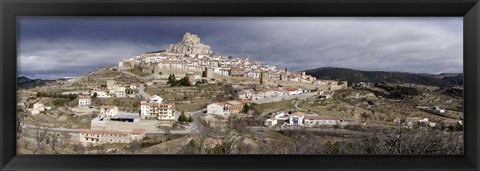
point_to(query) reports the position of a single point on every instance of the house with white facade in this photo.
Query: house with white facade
(219, 108)
(119, 91)
(38, 108)
(154, 107)
(271, 122)
(296, 119)
(225, 108)
(107, 111)
(160, 111)
(155, 99)
(294, 91)
(84, 100)
(438, 109)
(253, 74)
(312, 120)
(101, 93)
(245, 94)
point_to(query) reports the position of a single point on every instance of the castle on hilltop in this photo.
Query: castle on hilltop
(193, 56)
(190, 45)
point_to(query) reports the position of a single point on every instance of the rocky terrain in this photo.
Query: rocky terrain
(190, 45)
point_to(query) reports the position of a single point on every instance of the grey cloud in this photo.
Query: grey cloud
(421, 45)
(371, 44)
(72, 57)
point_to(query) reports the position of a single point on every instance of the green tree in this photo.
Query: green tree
(190, 119)
(128, 91)
(182, 118)
(185, 81)
(246, 108)
(171, 79)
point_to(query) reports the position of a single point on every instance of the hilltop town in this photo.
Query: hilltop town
(186, 99)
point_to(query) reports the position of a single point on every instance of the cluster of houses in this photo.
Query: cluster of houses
(252, 94)
(192, 55)
(300, 119)
(410, 122)
(112, 89)
(110, 126)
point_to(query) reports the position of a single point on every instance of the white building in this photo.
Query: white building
(155, 99)
(154, 59)
(296, 119)
(158, 110)
(438, 109)
(119, 91)
(219, 108)
(108, 136)
(225, 108)
(84, 101)
(101, 94)
(271, 122)
(38, 108)
(107, 111)
(294, 91)
(244, 94)
(253, 74)
(155, 108)
(322, 120)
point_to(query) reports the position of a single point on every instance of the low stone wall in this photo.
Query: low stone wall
(282, 98)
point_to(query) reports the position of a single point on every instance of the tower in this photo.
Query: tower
(264, 77)
(208, 72)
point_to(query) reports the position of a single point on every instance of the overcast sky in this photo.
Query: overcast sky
(55, 47)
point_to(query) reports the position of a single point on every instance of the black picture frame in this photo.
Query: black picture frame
(11, 9)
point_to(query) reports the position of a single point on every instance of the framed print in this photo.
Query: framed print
(181, 85)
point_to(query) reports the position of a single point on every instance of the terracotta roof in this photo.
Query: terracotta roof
(236, 69)
(108, 106)
(300, 114)
(323, 117)
(138, 131)
(272, 118)
(292, 89)
(241, 101)
(83, 97)
(234, 102)
(222, 103)
(450, 121)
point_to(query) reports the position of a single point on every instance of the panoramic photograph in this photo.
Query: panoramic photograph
(240, 85)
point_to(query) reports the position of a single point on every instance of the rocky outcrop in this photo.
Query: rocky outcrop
(190, 45)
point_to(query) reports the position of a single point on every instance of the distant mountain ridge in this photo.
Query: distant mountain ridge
(25, 82)
(355, 76)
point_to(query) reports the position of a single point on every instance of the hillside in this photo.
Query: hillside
(24, 82)
(355, 76)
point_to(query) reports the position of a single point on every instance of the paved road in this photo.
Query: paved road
(52, 129)
(298, 108)
(141, 91)
(197, 127)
